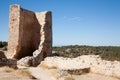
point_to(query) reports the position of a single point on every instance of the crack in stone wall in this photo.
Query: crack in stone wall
(30, 35)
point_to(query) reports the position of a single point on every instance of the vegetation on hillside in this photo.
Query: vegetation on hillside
(106, 52)
(3, 44)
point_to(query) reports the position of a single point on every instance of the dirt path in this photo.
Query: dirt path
(7, 73)
(92, 76)
(43, 74)
(48, 74)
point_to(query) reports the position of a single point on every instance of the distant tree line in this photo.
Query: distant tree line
(106, 52)
(3, 44)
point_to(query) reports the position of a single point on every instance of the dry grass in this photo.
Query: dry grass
(43, 66)
(52, 67)
(47, 67)
(7, 69)
(69, 78)
(23, 72)
(17, 73)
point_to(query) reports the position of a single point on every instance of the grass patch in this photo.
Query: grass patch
(43, 66)
(47, 67)
(7, 69)
(16, 73)
(69, 78)
(52, 67)
(23, 72)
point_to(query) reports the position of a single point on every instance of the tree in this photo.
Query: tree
(4, 43)
(1, 44)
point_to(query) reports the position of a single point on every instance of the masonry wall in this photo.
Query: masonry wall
(13, 36)
(29, 31)
(29, 34)
(92, 62)
(45, 20)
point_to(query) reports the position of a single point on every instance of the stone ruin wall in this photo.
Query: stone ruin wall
(30, 34)
(92, 62)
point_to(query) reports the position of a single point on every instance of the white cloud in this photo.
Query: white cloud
(74, 18)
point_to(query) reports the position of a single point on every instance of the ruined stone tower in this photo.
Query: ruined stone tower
(30, 33)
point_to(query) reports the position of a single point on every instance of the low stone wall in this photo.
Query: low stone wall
(94, 62)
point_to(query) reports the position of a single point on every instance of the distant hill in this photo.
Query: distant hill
(106, 52)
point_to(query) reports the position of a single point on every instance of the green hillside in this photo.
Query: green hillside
(106, 52)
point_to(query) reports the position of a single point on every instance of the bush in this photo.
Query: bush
(106, 52)
(5, 48)
(3, 44)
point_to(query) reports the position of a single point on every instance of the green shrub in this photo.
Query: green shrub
(5, 48)
(106, 52)
(3, 44)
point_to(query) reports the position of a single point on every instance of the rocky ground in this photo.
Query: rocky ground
(92, 62)
(52, 68)
(45, 73)
(55, 74)
(7, 73)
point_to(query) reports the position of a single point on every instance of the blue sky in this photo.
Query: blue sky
(81, 22)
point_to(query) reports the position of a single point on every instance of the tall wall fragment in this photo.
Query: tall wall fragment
(28, 32)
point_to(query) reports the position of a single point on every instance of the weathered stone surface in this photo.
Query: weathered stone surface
(30, 34)
(44, 18)
(26, 61)
(24, 33)
(92, 63)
